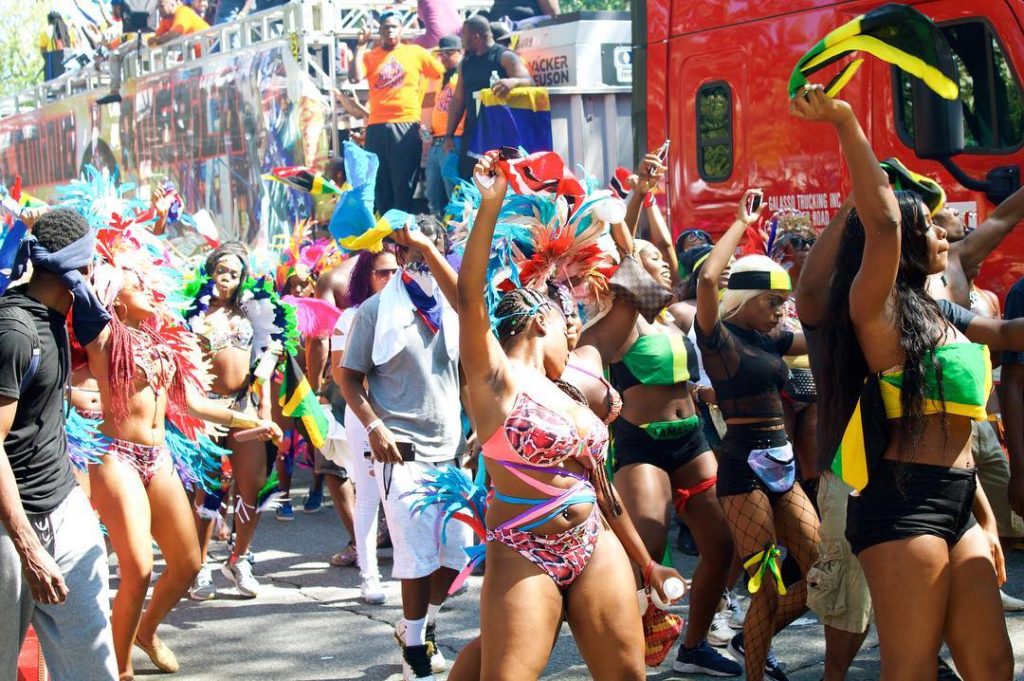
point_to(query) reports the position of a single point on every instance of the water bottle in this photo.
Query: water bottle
(494, 78)
(674, 590)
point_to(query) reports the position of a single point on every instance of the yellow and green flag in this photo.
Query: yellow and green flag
(897, 34)
(298, 401)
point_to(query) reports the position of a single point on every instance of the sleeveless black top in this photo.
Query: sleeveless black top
(476, 76)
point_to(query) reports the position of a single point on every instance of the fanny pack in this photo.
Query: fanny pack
(671, 430)
(775, 467)
(800, 387)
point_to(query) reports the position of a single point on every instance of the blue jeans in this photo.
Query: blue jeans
(75, 636)
(439, 186)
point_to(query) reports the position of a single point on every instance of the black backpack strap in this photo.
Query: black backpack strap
(24, 320)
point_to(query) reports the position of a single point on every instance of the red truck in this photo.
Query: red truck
(716, 79)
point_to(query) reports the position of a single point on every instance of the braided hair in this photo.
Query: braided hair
(515, 310)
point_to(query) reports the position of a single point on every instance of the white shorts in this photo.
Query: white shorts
(419, 551)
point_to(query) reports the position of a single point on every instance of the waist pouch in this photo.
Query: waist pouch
(671, 430)
(800, 386)
(775, 467)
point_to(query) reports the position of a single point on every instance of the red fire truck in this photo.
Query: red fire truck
(716, 79)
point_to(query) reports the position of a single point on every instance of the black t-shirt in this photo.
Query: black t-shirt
(834, 410)
(36, 446)
(476, 76)
(516, 10)
(1014, 310)
(746, 369)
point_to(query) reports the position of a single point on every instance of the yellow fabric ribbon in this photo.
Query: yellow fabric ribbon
(769, 561)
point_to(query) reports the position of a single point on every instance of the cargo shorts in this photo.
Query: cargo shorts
(837, 590)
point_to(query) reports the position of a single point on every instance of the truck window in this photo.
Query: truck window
(989, 91)
(714, 131)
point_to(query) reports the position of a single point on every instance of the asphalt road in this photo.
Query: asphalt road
(308, 622)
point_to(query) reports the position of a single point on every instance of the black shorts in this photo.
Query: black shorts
(909, 499)
(735, 476)
(634, 445)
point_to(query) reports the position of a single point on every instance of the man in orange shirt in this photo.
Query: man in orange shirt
(176, 20)
(397, 75)
(449, 52)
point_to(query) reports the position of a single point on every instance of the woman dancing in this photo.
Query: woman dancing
(146, 369)
(743, 355)
(556, 556)
(911, 524)
(236, 317)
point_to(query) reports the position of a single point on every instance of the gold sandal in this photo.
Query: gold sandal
(161, 656)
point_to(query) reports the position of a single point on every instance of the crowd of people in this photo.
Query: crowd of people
(520, 365)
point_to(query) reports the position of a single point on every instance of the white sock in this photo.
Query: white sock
(416, 632)
(432, 611)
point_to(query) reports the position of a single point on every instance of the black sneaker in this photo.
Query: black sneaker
(437, 662)
(703, 659)
(772, 667)
(416, 664)
(946, 672)
(112, 98)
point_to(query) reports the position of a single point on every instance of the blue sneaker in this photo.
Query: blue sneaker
(314, 501)
(284, 512)
(772, 667)
(704, 659)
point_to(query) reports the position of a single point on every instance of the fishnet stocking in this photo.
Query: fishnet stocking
(755, 525)
(753, 528)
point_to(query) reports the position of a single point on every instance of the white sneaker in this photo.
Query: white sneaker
(240, 574)
(372, 592)
(1011, 604)
(720, 633)
(202, 588)
(737, 610)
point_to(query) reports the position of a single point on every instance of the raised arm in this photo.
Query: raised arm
(444, 273)
(647, 177)
(718, 259)
(357, 71)
(812, 291)
(482, 357)
(876, 204)
(976, 246)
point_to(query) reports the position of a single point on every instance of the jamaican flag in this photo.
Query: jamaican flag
(901, 177)
(298, 401)
(966, 384)
(894, 33)
(303, 179)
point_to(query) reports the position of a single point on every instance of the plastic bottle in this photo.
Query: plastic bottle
(494, 78)
(674, 590)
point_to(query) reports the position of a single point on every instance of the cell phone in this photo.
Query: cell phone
(407, 450)
(755, 203)
(663, 151)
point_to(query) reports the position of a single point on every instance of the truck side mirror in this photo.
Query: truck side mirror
(938, 123)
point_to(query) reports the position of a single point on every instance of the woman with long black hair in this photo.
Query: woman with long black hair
(911, 523)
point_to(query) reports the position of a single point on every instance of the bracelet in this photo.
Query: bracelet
(373, 425)
(647, 572)
(242, 421)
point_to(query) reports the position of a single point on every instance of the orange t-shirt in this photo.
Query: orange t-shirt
(398, 79)
(184, 20)
(442, 103)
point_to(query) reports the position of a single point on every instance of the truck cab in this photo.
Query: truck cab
(716, 86)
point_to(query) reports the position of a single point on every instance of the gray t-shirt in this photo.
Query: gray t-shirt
(416, 392)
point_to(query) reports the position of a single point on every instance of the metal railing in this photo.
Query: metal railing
(311, 26)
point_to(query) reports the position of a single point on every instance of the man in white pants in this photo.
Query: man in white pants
(404, 345)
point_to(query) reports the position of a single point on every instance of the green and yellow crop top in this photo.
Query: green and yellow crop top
(966, 384)
(656, 359)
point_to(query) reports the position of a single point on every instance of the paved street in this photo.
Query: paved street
(309, 623)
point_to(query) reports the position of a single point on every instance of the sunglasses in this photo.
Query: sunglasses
(385, 272)
(698, 234)
(801, 243)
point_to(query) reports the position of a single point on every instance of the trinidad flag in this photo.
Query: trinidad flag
(540, 173)
(298, 401)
